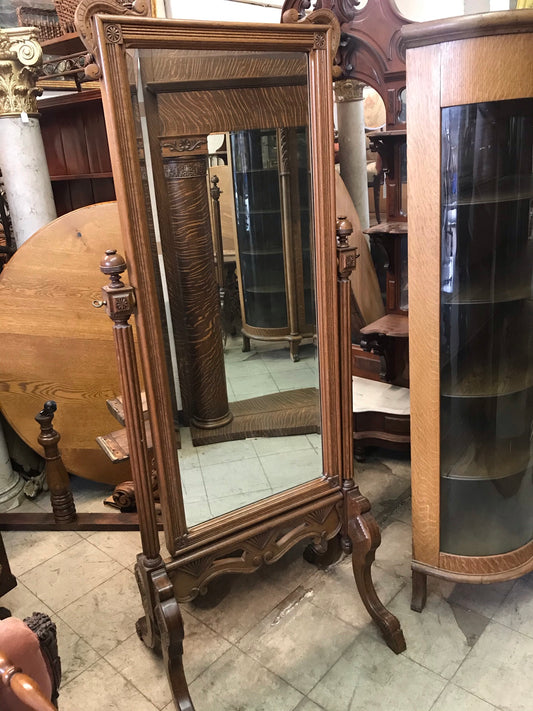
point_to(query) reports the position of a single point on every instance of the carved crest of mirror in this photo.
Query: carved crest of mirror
(265, 444)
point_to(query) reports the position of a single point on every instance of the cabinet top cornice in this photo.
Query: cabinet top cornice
(419, 34)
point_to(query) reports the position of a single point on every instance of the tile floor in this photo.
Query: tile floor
(290, 637)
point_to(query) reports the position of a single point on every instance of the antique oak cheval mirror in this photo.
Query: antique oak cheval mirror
(265, 91)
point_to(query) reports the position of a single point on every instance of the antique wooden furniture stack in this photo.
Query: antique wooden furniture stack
(470, 84)
(55, 346)
(172, 169)
(370, 53)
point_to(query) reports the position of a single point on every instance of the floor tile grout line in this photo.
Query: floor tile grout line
(132, 683)
(10, 556)
(102, 582)
(127, 681)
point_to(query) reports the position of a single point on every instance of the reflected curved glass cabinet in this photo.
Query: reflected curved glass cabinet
(271, 186)
(471, 297)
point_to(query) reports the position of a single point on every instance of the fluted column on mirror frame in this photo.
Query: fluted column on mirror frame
(22, 158)
(352, 144)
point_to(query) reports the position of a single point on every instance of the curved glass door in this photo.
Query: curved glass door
(486, 328)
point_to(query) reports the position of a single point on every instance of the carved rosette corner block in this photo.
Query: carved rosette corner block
(113, 34)
(20, 59)
(319, 40)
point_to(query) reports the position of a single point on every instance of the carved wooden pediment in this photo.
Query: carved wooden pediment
(83, 17)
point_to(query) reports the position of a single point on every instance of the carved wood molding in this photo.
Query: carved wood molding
(262, 545)
(369, 47)
(20, 57)
(294, 11)
(190, 167)
(83, 19)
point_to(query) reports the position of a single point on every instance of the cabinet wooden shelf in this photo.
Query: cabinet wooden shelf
(471, 297)
(483, 458)
(391, 325)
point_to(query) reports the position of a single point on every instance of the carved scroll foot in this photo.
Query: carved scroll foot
(323, 558)
(161, 628)
(171, 632)
(294, 349)
(146, 626)
(359, 452)
(365, 537)
(418, 590)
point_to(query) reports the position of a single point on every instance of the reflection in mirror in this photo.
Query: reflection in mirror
(223, 148)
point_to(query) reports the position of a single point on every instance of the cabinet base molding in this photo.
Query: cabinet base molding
(480, 570)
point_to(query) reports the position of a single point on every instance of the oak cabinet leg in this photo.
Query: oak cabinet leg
(418, 590)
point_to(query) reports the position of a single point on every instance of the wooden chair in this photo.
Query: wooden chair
(26, 689)
(30, 669)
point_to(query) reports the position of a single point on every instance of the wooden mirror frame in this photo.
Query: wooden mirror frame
(328, 508)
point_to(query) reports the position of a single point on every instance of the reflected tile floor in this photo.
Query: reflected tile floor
(222, 477)
(290, 637)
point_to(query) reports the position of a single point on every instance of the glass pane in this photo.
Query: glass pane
(486, 347)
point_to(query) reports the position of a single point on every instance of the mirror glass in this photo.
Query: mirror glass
(223, 145)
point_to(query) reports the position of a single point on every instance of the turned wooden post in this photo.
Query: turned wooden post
(217, 234)
(360, 533)
(287, 231)
(57, 476)
(346, 259)
(119, 301)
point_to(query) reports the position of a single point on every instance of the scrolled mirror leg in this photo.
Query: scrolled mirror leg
(171, 633)
(161, 629)
(365, 537)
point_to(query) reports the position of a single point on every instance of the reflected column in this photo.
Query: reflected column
(351, 124)
(191, 264)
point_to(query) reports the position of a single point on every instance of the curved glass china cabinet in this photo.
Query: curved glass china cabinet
(471, 297)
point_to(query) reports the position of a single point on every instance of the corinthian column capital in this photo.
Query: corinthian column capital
(20, 57)
(348, 90)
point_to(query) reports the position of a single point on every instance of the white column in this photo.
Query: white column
(352, 145)
(24, 174)
(22, 158)
(11, 484)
